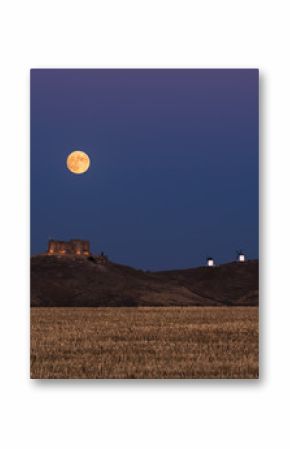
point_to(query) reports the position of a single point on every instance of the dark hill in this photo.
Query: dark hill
(77, 281)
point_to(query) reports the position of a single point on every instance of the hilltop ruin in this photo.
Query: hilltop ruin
(75, 247)
(72, 247)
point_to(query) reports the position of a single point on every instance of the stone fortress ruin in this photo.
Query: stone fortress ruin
(74, 248)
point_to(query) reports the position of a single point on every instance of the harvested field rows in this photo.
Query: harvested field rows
(165, 342)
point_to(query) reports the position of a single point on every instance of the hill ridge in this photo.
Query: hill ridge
(81, 282)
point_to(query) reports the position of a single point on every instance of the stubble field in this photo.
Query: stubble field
(138, 343)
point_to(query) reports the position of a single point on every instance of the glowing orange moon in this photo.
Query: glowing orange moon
(78, 162)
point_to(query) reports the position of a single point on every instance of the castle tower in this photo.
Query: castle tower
(52, 246)
(80, 247)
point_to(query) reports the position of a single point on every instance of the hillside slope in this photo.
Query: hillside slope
(76, 281)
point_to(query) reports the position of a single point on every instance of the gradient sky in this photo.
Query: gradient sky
(174, 163)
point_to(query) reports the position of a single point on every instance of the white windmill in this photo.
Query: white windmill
(210, 262)
(241, 256)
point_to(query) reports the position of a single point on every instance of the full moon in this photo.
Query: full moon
(78, 162)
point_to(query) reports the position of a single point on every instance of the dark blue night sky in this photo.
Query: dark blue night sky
(174, 163)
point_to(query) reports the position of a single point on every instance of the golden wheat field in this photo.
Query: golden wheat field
(138, 343)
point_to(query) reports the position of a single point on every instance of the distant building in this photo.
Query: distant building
(241, 256)
(210, 262)
(72, 247)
